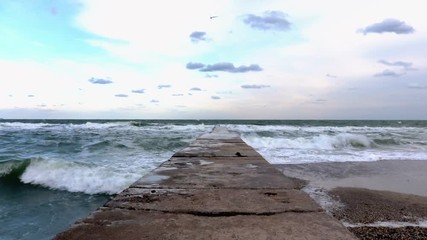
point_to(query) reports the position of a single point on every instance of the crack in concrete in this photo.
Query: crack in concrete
(217, 214)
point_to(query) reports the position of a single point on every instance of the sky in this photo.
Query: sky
(222, 59)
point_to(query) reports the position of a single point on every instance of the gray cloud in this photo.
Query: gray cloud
(164, 86)
(405, 65)
(211, 76)
(254, 86)
(195, 89)
(138, 91)
(198, 36)
(271, 20)
(388, 25)
(215, 97)
(121, 95)
(30, 95)
(178, 95)
(100, 81)
(154, 101)
(193, 66)
(229, 67)
(330, 76)
(388, 73)
(417, 86)
(225, 92)
(224, 67)
(319, 101)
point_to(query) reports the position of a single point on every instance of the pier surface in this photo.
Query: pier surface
(216, 188)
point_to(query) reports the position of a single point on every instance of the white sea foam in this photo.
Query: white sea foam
(321, 197)
(324, 142)
(23, 126)
(78, 177)
(389, 224)
(302, 144)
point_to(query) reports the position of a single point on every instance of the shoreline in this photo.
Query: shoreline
(384, 199)
(403, 176)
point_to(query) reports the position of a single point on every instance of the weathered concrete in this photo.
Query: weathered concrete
(216, 188)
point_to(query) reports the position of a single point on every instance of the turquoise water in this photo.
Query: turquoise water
(54, 172)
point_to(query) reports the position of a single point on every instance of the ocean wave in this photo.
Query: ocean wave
(326, 142)
(62, 125)
(13, 169)
(77, 177)
(69, 176)
(24, 126)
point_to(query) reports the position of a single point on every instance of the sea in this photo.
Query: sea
(55, 172)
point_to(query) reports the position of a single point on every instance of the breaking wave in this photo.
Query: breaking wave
(70, 176)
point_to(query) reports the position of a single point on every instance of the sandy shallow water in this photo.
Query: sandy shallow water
(375, 200)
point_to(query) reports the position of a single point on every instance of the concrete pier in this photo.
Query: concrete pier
(216, 188)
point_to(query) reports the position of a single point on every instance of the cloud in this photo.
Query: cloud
(388, 73)
(154, 101)
(417, 86)
(388, 25)
(121, 95)
(254, 86)
(138, 91)
(178, 95)
(229, 67)
(224, 92)
(215, 97)
(405, 65)
(100, 81)
(211, 76)
(271, 20)
(164, 86)
(198, 36)
(193, 66)
(31, 95)
(330, 76)
(195, 89)
(319, 101)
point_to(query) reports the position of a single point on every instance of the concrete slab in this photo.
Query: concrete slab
(217, 149)
(215, 202)
(109, 224)
(194, 162)
(221, 133)
(214, 174)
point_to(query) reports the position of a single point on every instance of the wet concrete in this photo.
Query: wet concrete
(216, 188)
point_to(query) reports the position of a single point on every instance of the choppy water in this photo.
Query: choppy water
(54, 172)
(362, 141)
